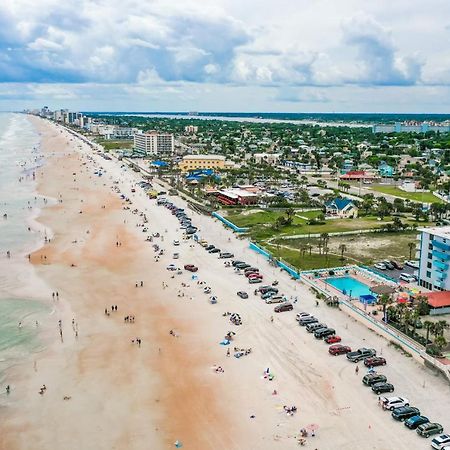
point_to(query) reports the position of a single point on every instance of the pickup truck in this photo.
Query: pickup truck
(360, 354)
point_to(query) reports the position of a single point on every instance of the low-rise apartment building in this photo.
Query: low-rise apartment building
(194, 162)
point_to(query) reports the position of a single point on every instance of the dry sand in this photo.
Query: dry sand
(126, 397)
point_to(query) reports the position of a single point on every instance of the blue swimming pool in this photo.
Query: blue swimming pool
(349, 286)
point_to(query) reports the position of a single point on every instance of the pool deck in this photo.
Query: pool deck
(352, 271)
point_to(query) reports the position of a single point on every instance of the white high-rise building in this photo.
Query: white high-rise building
(434, 258)
(154, 143)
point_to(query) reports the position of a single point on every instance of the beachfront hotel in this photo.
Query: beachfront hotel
(194, 162)
(433, 252)
(154, 143)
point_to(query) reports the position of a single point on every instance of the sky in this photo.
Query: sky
(226, 55)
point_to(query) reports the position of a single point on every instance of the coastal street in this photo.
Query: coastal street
(167, 389)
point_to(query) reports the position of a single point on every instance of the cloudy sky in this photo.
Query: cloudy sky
(226, 55)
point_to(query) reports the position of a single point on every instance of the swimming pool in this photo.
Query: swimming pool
(349, 286)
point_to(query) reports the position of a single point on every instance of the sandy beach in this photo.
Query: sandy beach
(105, 392)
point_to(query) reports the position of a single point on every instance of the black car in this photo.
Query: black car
(210, 247)
(405, 412)
(226, 255)
(380, 388)
(242, 294)
(234, 263)
(323, 333)
(372, 378)
(215, 250)
(242, 265)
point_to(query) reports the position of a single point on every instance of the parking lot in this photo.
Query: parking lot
(394, 273)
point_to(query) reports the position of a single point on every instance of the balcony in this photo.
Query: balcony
(440, 265)
(440, 276)
(440, 255)
(441, 245)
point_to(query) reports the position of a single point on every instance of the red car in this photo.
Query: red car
(191, 267)
(338, 349)
(254, 275)
(333, 339)
(374, 361)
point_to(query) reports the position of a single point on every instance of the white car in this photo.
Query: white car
(380, 266)
(176, 243)
(393, 402)
(407, 277)
(275, 299)
(171, 267)
(441, 442)
(413, 264)
(302, 315)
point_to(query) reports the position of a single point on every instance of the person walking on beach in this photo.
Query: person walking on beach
(356, 370)
(8, 389)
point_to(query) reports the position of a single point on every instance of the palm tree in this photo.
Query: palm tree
(411, 246)
(325, 238)
(342, 249)
(290, 212)
(429, 326)
(384, 300)
(440, 342)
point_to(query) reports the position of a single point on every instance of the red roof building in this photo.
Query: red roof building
(438, 300)
(357, 175)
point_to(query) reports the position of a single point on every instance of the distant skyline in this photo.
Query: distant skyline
(226, 55)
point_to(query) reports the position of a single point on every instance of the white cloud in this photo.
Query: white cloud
(258, 45)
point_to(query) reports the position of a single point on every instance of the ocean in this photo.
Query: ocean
(21, 312)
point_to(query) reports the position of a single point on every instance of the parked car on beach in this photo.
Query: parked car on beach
(320, 334)
(374, 361)
(283, 307)
(333, 339)
(380, 266)
(391, 403)
(372, 378)
(242, 294)
(305, 320)
(441, 442)
(382, 387)
(360, 354)
(428, 429)
(404, 412)
(275, 299)
(413, 422)
(191, 268)
(338, 349)
(311, 327)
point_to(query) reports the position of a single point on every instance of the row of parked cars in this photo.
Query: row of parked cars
(411, 417)
(251, 273)
(180, 214)
(213, 250)
(399, 406)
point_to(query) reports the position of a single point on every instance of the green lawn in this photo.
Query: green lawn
(365, 248)
(424, 197)
(260, 224)
(304, 262)
(112, 145)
